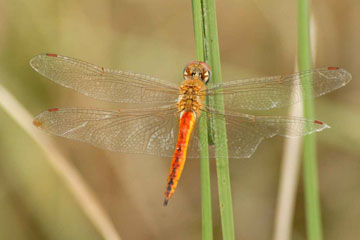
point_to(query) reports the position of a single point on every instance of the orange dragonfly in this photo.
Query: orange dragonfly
(166, 123)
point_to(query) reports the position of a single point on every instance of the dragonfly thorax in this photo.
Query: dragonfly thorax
(191, 97)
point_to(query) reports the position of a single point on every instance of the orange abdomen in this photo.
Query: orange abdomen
(186, 127)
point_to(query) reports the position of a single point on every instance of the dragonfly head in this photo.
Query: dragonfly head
(197, 70)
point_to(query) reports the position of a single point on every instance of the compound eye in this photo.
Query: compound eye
(206, 72)
(206, 76)
(185, 73)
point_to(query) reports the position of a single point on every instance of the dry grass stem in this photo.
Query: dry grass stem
(70, 175)
(290, 169)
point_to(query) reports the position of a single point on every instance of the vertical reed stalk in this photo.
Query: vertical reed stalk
(206, 215)
(212, 56)
(313, 216)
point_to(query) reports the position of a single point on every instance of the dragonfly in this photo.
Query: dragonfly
(165, 118)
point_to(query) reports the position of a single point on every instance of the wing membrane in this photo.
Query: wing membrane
(102, 83)
(273, 92)
(149, 131)
(140, 131)
(245, 132)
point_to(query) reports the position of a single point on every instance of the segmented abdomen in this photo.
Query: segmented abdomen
(187, 122)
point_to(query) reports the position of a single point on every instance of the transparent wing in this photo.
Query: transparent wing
(245, 132)
(102, 83)
(273, 92)
(154, 131)
(138, 131)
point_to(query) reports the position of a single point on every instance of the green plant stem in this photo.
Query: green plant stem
(206, 215)
(312, 205)
(212, 56)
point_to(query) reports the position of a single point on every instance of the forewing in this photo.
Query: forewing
(245, 132)
(102, 83)
(273, 92)
(137, 131)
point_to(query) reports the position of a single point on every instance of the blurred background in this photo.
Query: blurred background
(257, 38)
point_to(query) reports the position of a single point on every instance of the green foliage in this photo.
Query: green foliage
(206, 215)
(313, 217)
(212, 56)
